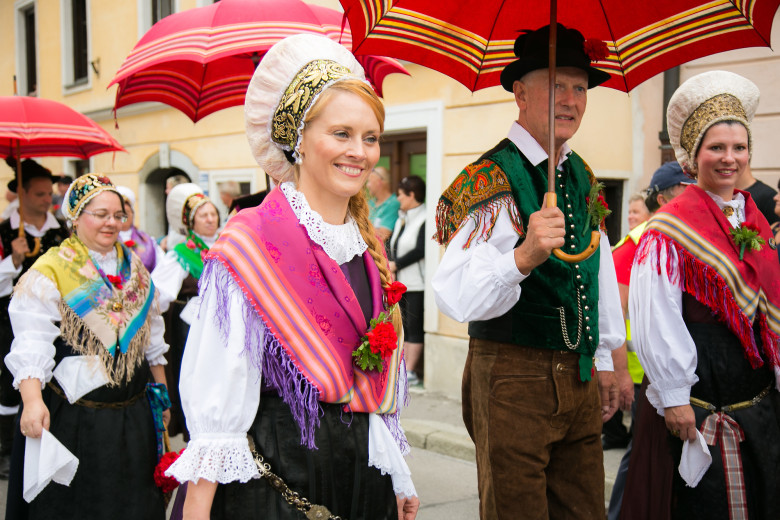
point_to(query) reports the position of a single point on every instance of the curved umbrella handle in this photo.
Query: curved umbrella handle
(550, 201)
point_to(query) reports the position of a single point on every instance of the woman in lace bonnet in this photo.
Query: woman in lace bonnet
(293, 286)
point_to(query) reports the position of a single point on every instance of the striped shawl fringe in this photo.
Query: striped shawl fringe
(120, 368)
(484, 216)
(704, 283)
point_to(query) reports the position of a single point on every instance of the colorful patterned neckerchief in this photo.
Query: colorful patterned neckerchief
(739, 292)
(143, 246)
(312, 318)
(190, 254)
(111, 320)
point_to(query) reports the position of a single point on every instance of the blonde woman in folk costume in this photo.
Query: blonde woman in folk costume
(294, 287)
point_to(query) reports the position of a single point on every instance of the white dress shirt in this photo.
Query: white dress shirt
(483, 281)
(9, 273)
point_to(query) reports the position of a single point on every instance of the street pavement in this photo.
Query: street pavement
(441, 461)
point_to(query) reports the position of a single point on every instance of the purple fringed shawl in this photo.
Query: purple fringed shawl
(309, 317)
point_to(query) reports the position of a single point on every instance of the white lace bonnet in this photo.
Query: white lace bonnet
(285, 85)
(702, 101)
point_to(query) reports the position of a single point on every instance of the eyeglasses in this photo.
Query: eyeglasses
(104, 216)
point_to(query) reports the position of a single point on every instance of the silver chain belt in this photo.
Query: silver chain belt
(564, 328)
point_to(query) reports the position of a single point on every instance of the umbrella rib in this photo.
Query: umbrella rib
(750, 23)
(614, 41)
(485, 51)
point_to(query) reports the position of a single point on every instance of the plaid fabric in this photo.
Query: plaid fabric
(721, 427)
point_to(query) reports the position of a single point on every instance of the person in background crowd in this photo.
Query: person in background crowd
(383, 203)
(288, 293)
(62, 184)
(89, 338)
(228, 192)
(138, 241)
(667, 182)
(703, 300)
(42, 231)
(761, 194)
(170, 240)
(637, 211)
(533, 398)
(176, 276)
(407, 263)
(12, 199)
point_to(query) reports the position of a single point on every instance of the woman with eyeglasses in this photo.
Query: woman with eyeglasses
(88, 342)
(193, 215)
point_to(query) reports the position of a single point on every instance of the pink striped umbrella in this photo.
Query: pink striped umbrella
(200, 61)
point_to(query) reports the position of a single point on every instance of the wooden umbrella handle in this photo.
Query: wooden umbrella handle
(550, 201)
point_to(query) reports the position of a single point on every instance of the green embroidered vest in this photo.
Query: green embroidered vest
(558, 306)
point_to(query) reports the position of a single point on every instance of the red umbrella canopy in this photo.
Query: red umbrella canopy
(472, 40)
(42, 127)
(200, 60)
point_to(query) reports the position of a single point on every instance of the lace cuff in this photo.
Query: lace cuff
(216, 459)
(157, 360)
(384, 455)
(30, 372)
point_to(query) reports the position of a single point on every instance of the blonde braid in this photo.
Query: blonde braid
(358, 208)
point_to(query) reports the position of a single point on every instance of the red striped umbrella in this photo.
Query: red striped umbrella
(35, 127)
(472, 40)
(200, 61)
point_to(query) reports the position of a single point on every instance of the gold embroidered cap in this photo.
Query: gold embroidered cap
(182, 203)
(82, 190)
(704, 100)
(285, 85)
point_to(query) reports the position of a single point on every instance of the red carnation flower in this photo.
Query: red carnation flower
(603, 202)
(165, 483)
(382, 339)
(130, 243)
(752, 227)
(115, 281)
(596, 49)
(394, 292)
(190, 244)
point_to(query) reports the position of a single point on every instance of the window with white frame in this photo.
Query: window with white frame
(26, 49)
(75, 30)
(152, 11)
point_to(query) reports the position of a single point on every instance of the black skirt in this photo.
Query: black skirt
(117, 452)
(336, 474)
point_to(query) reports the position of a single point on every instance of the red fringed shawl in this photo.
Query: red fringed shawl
(740, 293)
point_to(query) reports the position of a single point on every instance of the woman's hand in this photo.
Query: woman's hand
(167, 417)
(407, 507)
(681, 421)
(197, 505)
(35, 416)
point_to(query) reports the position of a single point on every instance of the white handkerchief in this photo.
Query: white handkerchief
(79, 375)
(695, 460)
(46, 459)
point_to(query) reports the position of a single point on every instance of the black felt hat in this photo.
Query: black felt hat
(532, 50)
(30, 170)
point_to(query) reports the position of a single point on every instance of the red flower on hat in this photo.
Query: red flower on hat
(596, 49)
(104, 180)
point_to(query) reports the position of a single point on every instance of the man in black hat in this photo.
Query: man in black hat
(42, 228)
(538, 380)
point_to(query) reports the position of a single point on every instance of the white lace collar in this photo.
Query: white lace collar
(107, 262)
(342, 243)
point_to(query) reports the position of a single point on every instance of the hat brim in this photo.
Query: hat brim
(519, 68)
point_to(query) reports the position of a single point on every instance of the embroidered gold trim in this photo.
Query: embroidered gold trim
(299, 96)
(723, 107)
